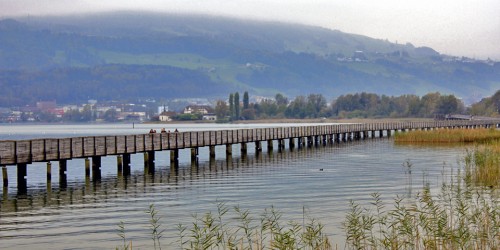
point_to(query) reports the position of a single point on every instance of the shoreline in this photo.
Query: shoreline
(316, 120)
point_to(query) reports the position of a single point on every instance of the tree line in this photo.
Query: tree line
(489, 106)
(359, 105)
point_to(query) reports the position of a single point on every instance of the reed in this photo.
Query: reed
(449, 136)
(459, 217)
(241, 230)
(482, 164)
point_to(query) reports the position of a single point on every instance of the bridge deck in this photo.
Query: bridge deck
(44, 150)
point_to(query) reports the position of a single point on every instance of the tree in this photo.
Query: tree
(429, 102)
(236, 106)
(281, 99)
(448, 105)
(87, 114)
(267, 108)
(231, 106)
(315, 104)
(246, 100)
(221, 110)
(297, 108)
(248, 114)
(111, 115)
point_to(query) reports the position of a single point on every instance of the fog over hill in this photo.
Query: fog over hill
(134, 55)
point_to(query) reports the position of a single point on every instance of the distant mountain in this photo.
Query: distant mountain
(131, 55)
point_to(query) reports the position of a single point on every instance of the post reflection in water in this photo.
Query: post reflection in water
(320, 177)
(112, 186)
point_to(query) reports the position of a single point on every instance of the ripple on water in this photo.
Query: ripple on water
(318, 181)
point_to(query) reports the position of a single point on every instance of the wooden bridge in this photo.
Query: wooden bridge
(22, 152)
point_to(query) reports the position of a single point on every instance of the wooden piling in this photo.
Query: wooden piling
(87, 167)
(151, 159)
(146, 159)
(126, 164)
(194, 154)
(126, 160)
(291, 143)
(243, 148)
(22, 172)
(49, 172)
(269, 145)
(258, 146)
(63, 167)
(5, 176)
(96, 168)
(174, 155)
(229, 149)
(211, 150)
(119, 164)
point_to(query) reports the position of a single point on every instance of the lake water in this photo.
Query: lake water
(318, 180)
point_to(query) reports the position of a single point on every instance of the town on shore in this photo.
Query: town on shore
(253, 108)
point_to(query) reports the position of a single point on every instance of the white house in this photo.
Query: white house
(166, 116)
(198, 109)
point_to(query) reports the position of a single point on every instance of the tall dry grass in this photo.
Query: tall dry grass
(449, 136)
(482, 164)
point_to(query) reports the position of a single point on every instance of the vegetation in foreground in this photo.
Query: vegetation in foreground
(459, 217)
(237, 229)
(482, 163)
(465, 214)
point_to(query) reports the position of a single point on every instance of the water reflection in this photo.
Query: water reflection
(319, 179)
(136, 184)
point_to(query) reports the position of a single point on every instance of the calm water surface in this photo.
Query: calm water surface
(318, 180)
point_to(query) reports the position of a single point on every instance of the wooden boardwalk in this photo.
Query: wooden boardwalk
(23, 152)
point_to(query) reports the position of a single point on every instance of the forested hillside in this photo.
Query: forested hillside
(137, 55)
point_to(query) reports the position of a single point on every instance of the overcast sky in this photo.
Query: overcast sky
(458, 27)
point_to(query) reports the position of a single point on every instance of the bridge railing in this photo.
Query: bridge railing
(39, 150)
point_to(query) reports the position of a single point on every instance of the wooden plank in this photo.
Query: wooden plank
(156, 144)
(180, 140)
(111, 145)
(149, 141)
(38, 150)
(88, 146)
(164, 141)
(65, 148)
(76, 145)
(51, 149)
(172, 142)
(7, 152)
(229, 136)
(200, 138)
(186, 137)
(100, 145)
(130, 143)
(121, 144)
(139, 142)
(211, 138)
(23, 151)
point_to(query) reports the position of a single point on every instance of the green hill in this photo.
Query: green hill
(131, 55)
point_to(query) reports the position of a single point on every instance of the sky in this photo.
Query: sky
(457, 27)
